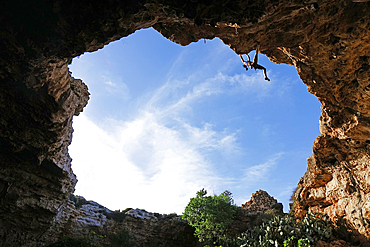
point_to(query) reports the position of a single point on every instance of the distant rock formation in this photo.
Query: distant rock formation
(261, 202)
(251, 213)
(81, 217)
(327, 41)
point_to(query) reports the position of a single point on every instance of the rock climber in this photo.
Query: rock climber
(254, 65)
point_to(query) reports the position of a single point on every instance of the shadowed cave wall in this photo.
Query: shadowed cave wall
(327, 41)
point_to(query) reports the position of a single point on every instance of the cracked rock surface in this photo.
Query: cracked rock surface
(327, 41)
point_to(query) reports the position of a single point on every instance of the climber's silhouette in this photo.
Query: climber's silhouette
(254, 65)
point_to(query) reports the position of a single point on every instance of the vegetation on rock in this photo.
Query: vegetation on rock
(121, 239)
(117, 215)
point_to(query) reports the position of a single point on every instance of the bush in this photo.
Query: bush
(79, 201)
(211, 217)
(121, 239)
(116, 215)
(286, 231)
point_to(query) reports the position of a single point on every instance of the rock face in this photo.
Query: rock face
(261, 201)
(88, 218)
(327, 41)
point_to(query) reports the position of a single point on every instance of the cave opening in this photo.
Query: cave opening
(163, 121)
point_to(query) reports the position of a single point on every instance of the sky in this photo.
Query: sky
(164, 121)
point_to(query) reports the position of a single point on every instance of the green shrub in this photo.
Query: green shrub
(126, 210)
(172, 215)
(303, 242)
(211, 217)
(286, 231)
(121, 239)
(78, 200)
(116, 215)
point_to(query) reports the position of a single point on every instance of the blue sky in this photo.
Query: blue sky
(165, 121)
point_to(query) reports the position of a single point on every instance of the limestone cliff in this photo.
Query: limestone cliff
(83, 218)
(327, 41)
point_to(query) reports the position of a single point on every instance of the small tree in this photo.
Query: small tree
(211, 216)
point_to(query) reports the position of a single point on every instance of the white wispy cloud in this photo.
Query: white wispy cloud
(216, 85)
(141, 163)
(145, 163)
(261, 171)
(116, 87)
(256, 175)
